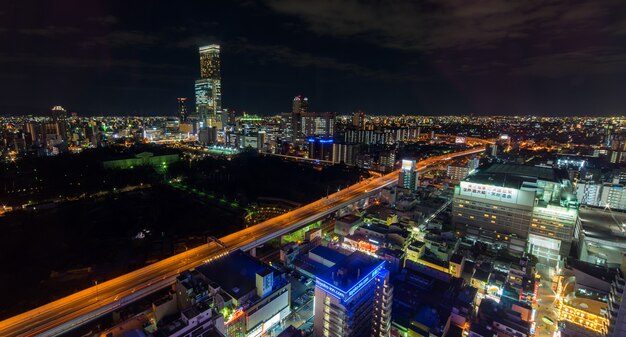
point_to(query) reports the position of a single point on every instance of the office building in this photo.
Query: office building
(208, 88)
(519, 208)
(320, 148)
(300, 104)
(353, 298)
(408, 177)
(210, 63)
(317, 124)
(208, 102)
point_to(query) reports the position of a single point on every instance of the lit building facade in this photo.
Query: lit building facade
(353, 298)
(616, 312)
(182, 109)
(208, 88)
(345, 153)
(519, 208)
(458, 173)
(317, 124)
(588, 192)
(408, 177)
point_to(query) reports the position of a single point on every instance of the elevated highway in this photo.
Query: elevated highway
(69, 312)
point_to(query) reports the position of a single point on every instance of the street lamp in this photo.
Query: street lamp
(96, 282)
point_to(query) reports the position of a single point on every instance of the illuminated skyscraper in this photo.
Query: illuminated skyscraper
(209, 88)
(210, 62)
(182, 109)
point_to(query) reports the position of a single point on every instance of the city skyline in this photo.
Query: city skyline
(555, 59)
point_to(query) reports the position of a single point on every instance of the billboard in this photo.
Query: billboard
(460, 140)
(497, 193)
(408, 165)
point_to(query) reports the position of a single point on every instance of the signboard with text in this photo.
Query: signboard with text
(497, 193)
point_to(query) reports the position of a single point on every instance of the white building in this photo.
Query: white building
(588, 192)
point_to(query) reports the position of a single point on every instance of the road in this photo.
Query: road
(76, 309)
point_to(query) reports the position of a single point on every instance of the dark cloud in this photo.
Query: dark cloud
(422, 56)
(120, 38)
(104, 20)
(42, 60)
(450, 28)
(286, 55)
(193, 41)
(49, 31)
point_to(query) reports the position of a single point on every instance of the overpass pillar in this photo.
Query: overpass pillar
(252, 252)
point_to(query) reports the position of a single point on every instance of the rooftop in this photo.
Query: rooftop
(328, 254)
(514, 175)
(349, 219)
(235, 273)
(352, 269)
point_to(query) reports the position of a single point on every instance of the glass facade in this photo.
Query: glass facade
(208, 88)
(210, 62)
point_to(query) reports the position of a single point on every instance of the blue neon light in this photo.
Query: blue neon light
(329, 288)
(364, 281)
(346, 296)
(311, 140)
(326, 140)
(373, 241)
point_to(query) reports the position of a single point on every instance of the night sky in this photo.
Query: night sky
(384, 57)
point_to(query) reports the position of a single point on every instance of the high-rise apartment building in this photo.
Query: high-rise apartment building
(459, 172)
(519, 208)
(408, 177)
(353, 298)
(208, 88)
(345, 153)
(182, 109)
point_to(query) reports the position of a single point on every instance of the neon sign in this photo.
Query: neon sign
(346, 296)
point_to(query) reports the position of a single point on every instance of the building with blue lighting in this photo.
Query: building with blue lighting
(320, 148)
(353, 298)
